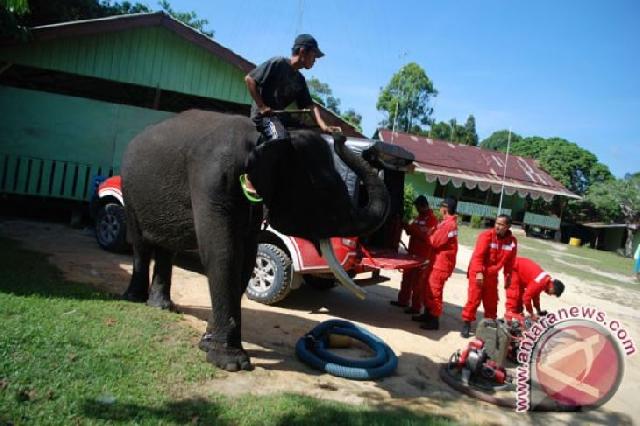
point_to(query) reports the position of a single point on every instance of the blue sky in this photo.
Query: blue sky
(547, 68)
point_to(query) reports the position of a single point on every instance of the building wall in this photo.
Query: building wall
(420, 184)
(73, 138)
(150, 56)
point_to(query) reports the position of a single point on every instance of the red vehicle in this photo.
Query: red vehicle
(283, 263)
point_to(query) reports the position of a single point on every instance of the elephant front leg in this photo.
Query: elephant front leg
(138, 290)
(160, 292)
(222, 254)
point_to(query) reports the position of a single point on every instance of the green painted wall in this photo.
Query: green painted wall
(79, 136)
(420, 184)
(152, 56)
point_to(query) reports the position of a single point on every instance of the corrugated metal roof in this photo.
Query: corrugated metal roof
(477, 167)
(137, 20)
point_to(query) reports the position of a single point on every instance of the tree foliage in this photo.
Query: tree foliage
(407, 98)
(322, 93)
(189, 18)
(454, 132)
(498, 140)
(618, 200)
(353, 118)
(44, 12)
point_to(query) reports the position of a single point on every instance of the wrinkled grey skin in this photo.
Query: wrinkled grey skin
(181, 192)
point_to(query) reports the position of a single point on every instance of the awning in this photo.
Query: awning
(486, 182)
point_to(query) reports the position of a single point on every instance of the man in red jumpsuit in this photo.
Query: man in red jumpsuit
(444, 246)
(528, 281)
(413, 280)
(495, 249)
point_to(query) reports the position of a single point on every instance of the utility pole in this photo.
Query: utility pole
(504, 173)
(401, 95)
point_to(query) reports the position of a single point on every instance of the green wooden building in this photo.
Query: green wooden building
(75, 94)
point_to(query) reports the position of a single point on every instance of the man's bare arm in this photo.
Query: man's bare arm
(320, 121)
(252, 86)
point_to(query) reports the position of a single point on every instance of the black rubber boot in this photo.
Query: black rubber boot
(422, 317)
(466, 330)
(433, 323)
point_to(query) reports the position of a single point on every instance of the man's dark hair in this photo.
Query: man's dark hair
(451, 204)
(421, 200)
(506, 217)
(558, 288)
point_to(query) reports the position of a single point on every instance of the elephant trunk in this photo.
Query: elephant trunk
(370, 217)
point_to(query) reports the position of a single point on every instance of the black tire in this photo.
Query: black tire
(319, 283)
(271, 278)
(111, 228)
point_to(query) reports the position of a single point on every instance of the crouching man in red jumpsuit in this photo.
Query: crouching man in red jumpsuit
(528, 281)
(495, 249)
(413, 280)
(444, 244)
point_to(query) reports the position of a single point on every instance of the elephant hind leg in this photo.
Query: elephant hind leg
(160, 292)
(138, 290)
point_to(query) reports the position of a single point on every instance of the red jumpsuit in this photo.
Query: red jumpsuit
(444, 243)
(413, 280)
(528, 280)
(489, 256)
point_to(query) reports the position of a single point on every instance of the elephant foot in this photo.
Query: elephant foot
(220, 355)
(137, 297)
(160, 301)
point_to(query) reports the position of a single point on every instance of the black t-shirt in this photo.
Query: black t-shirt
(280, 84)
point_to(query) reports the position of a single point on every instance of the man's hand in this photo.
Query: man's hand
(265, 111)
(480, 279)
(331, 129)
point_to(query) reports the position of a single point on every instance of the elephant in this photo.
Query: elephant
(180, 183)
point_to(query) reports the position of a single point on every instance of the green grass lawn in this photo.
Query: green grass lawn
(575, 261)
(72, 355)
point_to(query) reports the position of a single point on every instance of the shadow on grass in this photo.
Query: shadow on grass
(27, 273)
(285, 409)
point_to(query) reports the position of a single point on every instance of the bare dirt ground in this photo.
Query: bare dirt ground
(270, 333)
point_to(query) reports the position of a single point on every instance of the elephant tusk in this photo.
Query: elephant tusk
(327, 253)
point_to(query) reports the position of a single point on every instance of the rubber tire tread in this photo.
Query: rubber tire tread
(282, 285)
(119, 245)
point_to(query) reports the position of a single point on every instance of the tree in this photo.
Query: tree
(322, 93)
(454, 132)
(407, 97)
(498, 140)
(353, 118)
(44, 12)
(188, 18)
(618, 199)
(470, 134)
(440, 130)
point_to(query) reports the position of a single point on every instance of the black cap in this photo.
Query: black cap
(421, 200)
(451, 204)
(558, 288)
(308, 42)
